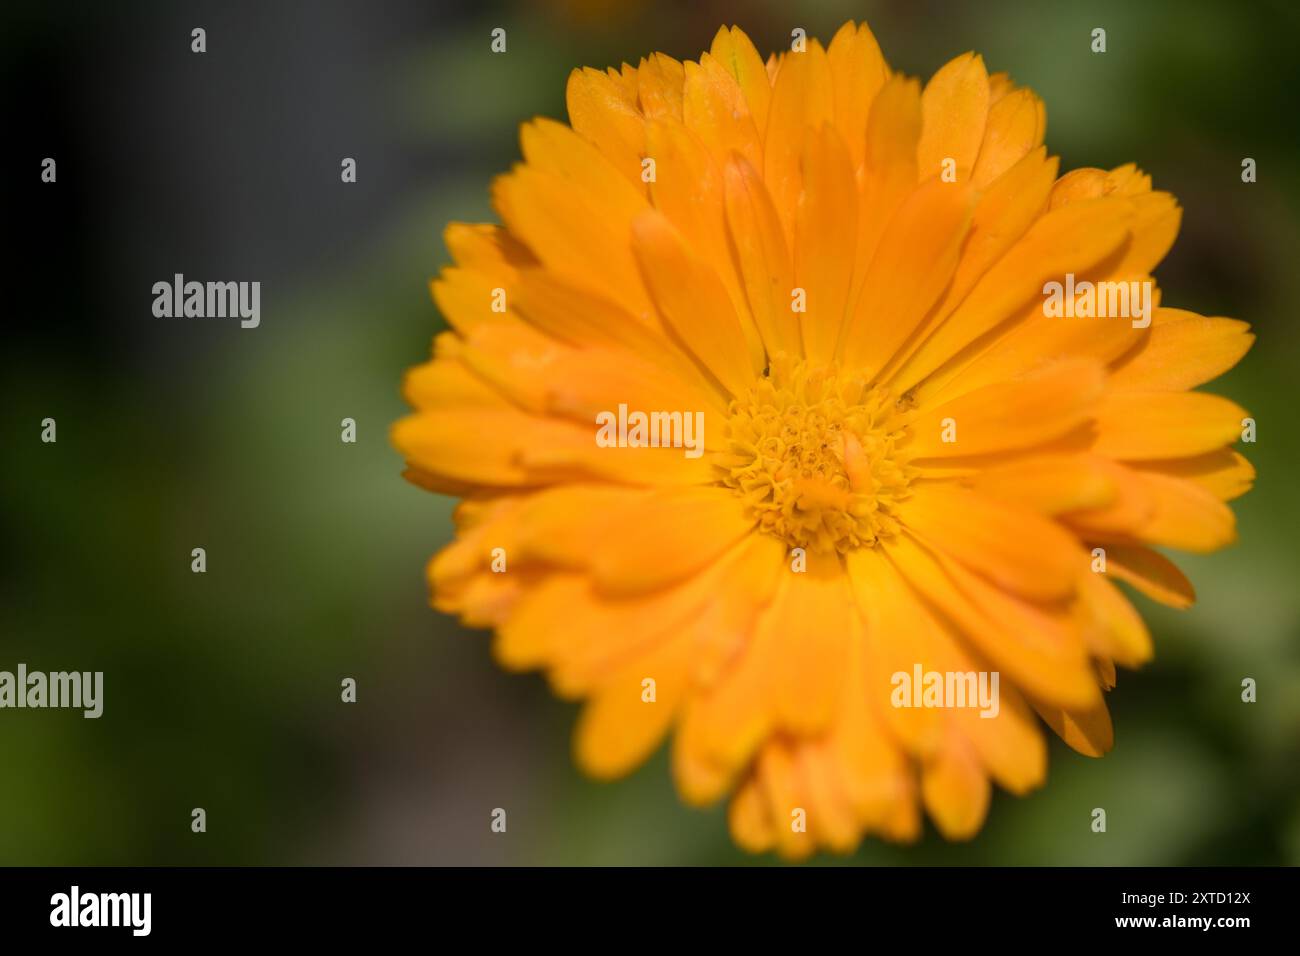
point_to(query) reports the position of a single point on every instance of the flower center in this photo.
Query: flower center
(812, 451)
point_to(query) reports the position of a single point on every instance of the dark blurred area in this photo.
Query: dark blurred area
(222, 689)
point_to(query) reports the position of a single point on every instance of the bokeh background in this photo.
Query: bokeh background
(222, 689)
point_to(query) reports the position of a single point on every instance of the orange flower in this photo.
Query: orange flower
(916, 455)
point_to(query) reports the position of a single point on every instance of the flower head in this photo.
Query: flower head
(941, 410)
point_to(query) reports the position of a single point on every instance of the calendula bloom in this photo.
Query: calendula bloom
(927, 443)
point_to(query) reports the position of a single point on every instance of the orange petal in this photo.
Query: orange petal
(1039, 560)
(1223, 473)
(447, 383)
(1015, 126)
(619, 728)
(1013, 415)
(956, 791)
(1005, 211)
(833, 821)
(954, 109)
(1187, 516)
(606, 114)
(1069, 239)
(1116, 630)
(736, 54)
(1036, 341)
(1151, 573)
(888, 172)
(874, 775)
(858, 71)
(801, 100)
(692, 302)
(749, 818)
(714, 109)
(763, 257)
(1087, 730)
(1010, 745)
(583, 318)
(912, 266)
(1038, 650)
(1049, 484)
(688, 190)
(665, 536)
(571, 234)
(659, 81)
(1151, 425)
(824, 233)
(787, 798)
(1183, 350)
(556, 149)
(809, 623)
(899, 633)
(506, 447)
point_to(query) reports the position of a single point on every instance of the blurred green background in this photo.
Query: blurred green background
(222, 689)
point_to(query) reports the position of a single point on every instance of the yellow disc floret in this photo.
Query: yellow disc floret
(813, 452)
